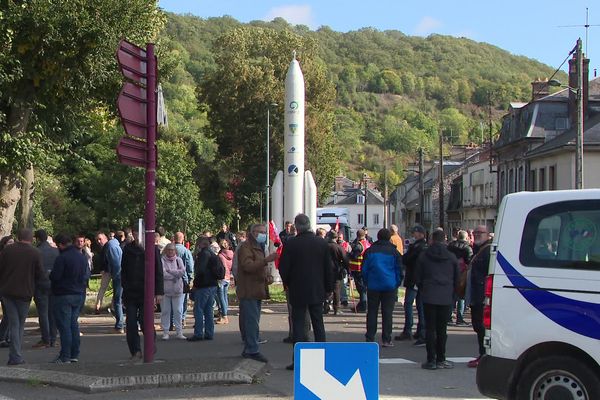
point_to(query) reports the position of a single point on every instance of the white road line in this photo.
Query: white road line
(460, 360)
(395, 361)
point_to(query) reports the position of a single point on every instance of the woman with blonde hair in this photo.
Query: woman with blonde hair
(173, 271)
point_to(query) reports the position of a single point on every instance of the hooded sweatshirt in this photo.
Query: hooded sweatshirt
(437, 275)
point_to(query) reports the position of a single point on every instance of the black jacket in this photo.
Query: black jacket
(339, 259)
(479, 271)
(409, 259)
(461, 249)
(208, 269)
(133, 272)
(306, 269)
(70, 273)
(437, 275)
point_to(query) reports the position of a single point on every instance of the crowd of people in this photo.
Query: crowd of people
(319, 270)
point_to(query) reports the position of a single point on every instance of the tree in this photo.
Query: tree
(56, 62)
(250, 74)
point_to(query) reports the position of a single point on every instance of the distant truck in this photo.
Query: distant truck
(328, 218)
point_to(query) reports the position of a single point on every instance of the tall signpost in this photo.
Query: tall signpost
(137, 109)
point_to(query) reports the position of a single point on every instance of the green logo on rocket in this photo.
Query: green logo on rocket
(294, 105)
(293, 128)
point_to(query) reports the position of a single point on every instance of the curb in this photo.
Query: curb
(244, 373)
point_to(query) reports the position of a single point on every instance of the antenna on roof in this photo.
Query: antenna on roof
(586, 26)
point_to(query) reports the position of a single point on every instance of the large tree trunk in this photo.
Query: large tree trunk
(27, 191)
(10, 182)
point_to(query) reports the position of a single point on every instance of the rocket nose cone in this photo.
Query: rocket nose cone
(294, 70)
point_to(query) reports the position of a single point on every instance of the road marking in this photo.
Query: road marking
(460, 360)
(395, 361)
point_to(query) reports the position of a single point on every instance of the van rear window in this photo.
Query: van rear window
(562, 235)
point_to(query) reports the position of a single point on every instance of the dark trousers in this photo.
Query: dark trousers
(299, 322)
(361, 289)
(387, 301)
(336, 295)
(134, 313)
(477, 321)
(436, 319)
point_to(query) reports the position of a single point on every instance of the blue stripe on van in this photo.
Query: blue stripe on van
(578, 316)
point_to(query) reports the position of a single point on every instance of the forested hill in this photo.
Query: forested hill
(394, 92)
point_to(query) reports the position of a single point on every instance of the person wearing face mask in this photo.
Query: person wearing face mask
(252, 287)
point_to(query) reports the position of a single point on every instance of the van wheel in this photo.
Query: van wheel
(558, 378)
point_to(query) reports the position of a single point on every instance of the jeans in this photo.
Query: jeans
(250, 309)
(134, 310)
(66, 310)
(43, 302)
(478, 327)
(437, 321)
(117, 300)
(299, 322)
(16, 312)
(4, 333)
(344, 290)
(387, 300)
(459, 305)
(409, 298)
(204, 299)
(171, 305)
(361, 289)
(222, 298)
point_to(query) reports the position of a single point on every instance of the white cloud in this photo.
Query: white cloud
(427, 25)
(294, 14)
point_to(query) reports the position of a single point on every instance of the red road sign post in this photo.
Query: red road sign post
(137, 109)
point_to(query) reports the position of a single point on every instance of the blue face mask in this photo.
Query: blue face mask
(261, 238)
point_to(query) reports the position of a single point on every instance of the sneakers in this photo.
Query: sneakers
(462, 323)
(180, 336)
(41, 345)
(137, 356)
(195, 338)
(387, 344)
(420, 343)
(74, 360)
(444, 364)
(474, 363)
(256, 356)
(4, 344)
(431, 365)
(403, 336)
(165, 336)
(261, 341)
(222, 321)
(59, 360)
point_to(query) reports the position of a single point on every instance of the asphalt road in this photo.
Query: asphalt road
(401, 376)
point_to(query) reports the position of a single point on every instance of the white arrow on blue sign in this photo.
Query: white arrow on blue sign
(331, 371)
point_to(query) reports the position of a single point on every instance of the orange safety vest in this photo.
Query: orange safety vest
(356, 264)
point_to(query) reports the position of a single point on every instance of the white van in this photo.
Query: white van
(542, 310)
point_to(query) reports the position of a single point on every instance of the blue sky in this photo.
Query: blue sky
(525, 27)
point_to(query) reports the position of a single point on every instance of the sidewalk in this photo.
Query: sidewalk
(104, 360)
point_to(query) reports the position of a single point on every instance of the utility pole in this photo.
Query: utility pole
(421, 188)
(366, 194)
(441, 194)
(385, 190)
(579, 140)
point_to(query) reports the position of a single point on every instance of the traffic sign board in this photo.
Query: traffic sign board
(132, 152)
(132, 103)
(132, 60)
(352, 371)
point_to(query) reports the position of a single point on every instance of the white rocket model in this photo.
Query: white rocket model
(299, 190)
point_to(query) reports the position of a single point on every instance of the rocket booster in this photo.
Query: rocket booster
(293, 182)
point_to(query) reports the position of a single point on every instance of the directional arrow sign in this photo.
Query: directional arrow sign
(132, 61)
(132, 109)
(132, 152)
(350, 373)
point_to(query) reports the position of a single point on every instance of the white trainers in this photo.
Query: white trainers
(165, 336)
(180, 336)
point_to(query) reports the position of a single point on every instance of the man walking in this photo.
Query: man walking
(307, 271)
(359, 246)
(43, 295)
(479, 271)
(437, 278)
(20, 267)
(463, 252)
(382, 275)
(188, 262)
(133, 273)
(112, 257)
(69, 281)
(411, 294)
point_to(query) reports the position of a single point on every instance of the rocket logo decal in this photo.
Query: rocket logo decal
(294, 105)
(293, 169)
(293, 128)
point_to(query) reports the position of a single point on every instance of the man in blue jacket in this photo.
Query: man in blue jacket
(382, 275)
(113, 255)
(69, 278)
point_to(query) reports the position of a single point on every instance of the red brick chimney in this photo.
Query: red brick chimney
(539, 89)
(573, 84)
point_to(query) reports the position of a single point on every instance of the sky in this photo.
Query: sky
(533, 28)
